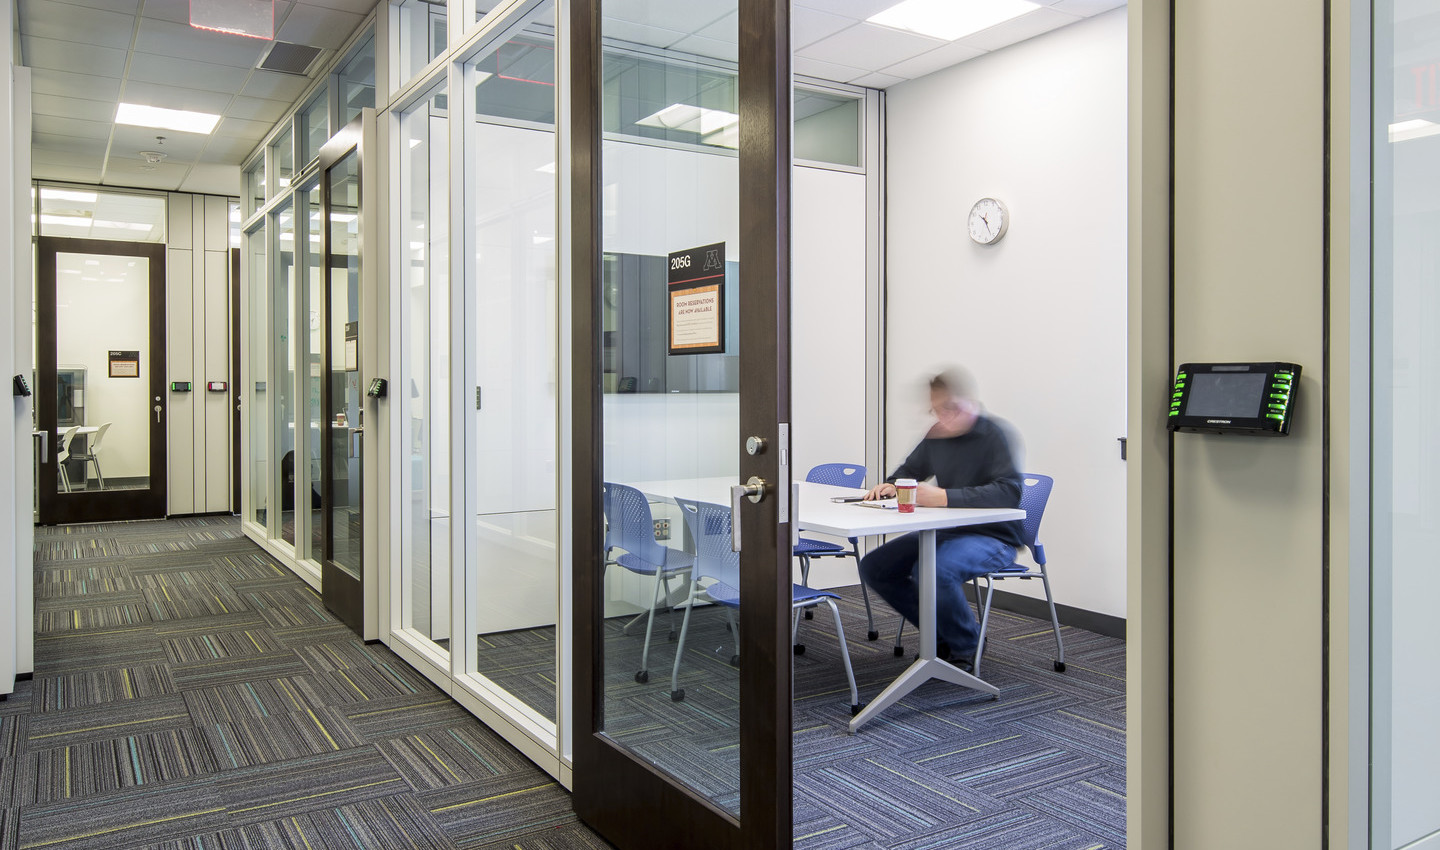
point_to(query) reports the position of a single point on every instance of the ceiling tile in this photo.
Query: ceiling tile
(129, 141)
(124, 7)
(66, 172)
(240, 128)
(174, 11)
(878, 80)
(71, 56)
(1086, 8)
(72, 107)
(66, 84)
(641, 34)
(359, 7)
(682, 16)
(174, 97)
(167, 70)
(874, 46)
(58, 148)
(132, 172)
(273, 86)
(58, 126)
(258, 109)
(726, 51)
(65, 22)
(808, 26)
(227, 150)
(857, 9)
(318, 27)
(825, 70)
(166, 38)
(1018, 29)
(928, 63)
(212, 180)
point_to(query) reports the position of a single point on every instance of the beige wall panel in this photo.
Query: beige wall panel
(1249, 173)
(198, 293)
(178, 224)
(217, 222)
(217, 368)
(180, 354)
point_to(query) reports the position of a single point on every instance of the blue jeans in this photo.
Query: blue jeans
(893, 570)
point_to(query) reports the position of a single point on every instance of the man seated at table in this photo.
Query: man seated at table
(969, 456)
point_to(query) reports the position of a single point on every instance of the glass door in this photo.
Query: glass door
(100, 385)
(681, 173)
(347, 560)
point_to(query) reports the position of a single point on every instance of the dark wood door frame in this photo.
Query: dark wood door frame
(56, 507)
(235, 394)
(629, 801)
(342, 593)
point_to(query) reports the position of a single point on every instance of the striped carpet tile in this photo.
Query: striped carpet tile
(267, 792)
(97, 767)
(189, 649)
(140, 815)
(1015, 829)
(1096, 803)
(498, 811)
(237, 669)
(389, 822)
(291, 736)
(396, 717)
(81, 688)
(94, 723)
(443, 757)
(259, 698)
(117, 612)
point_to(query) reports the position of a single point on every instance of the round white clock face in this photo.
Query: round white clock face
(988, 221)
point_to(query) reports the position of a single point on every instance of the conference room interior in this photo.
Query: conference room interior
(887, 288)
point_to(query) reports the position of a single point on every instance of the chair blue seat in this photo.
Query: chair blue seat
(806, 546)
(674, 560)
(724, 594)
(836, 475)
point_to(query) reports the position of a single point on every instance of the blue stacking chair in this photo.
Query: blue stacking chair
(718, 563)
(1034, 495)
(629, 526)
(836, 475)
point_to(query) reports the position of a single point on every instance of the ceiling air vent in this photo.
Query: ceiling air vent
(288, 58)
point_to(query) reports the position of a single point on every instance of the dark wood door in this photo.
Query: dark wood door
(101, 397)
(683, 743)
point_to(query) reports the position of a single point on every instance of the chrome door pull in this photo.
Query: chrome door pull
(355, 436)
(158, 408)
(44, 445)
(754, 490)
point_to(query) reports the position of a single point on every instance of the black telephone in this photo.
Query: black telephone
(21, 389)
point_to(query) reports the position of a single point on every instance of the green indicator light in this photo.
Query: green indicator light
(1279, 407)
(1274, 416)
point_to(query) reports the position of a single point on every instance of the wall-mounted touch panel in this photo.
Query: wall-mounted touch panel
(1234, 398)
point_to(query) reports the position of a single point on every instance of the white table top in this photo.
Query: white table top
(819, 514)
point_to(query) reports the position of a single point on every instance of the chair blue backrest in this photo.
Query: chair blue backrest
(630, 525)
(1034, 494)
(710, 529)
(838, 475)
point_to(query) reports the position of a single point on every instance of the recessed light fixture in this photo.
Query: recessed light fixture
(950, 19)
(67, 221)
(547, 168)
(49, 194)
(690, 119)
(1416, 128)
(122, 225)
(160, 118)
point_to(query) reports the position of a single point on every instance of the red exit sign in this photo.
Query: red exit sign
(1427, 85)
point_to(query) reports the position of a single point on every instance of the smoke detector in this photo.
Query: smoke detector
(152, 160)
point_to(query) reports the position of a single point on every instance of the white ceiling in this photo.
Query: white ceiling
(89, 55)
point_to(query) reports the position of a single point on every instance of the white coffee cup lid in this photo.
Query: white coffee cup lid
(905, 482)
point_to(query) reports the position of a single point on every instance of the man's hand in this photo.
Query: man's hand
(884, 490)
(930, 496)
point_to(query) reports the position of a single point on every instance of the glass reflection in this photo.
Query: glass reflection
(424, 188)
(308, 332)
(670, 403)
(344, 416)
(283, 394)
(513, 227)
(257, 396)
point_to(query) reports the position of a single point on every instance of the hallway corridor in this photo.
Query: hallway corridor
(191, 693)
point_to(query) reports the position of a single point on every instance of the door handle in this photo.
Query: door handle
(44, 445)
(754, 490)
(158, 408)
(356, 434)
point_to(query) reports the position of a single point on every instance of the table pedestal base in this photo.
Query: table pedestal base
(922, 671)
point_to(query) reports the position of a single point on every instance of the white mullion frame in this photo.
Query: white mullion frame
(247, 378)
(274, 515)
(564, 375)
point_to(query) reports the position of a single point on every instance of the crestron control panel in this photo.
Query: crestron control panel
(1234, 398)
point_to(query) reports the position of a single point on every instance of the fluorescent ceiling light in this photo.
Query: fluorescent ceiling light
(123, 225)
(342, 217)
(92, 262)
(1417, 128)
(160, 118)
(690, 119)
(950, 19)
(415, 143)
(547, 168)
(250, 18)
(48, 194)
(67, 221)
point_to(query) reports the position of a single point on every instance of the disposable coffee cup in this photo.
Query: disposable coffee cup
(905, 495)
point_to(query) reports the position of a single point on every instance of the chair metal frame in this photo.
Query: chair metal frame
(838, 475)
(630, 527)
(92, 452)
(62, 454)
(715, 560)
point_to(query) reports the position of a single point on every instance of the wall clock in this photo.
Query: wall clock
(989, 219)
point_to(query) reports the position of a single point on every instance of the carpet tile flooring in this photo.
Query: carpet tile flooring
(190, 693)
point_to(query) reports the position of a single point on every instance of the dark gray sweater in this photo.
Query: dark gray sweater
(976, 469)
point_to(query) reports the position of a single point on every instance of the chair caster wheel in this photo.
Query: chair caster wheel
(899, 651)
(670, 637)
(1059, 666)
(677, 696)
(809, 615)
(799, 649)
(734, 661)
(856, 708)
(643, 676)
(872, 635)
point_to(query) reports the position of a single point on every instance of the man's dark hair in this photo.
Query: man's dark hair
(955, 381)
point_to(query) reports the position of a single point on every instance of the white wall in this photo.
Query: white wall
(197, 305)
(1040, 317)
